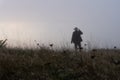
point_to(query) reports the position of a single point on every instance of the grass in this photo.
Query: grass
(46, 64)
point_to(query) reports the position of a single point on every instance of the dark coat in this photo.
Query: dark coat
(76, 37)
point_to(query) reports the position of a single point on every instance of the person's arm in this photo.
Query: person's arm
(80, 32)
(72, 39)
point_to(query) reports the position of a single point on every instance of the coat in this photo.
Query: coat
(76, 37)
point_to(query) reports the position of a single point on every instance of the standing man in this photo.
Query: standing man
(76, 38)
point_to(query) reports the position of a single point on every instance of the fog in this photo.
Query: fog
(23, 22)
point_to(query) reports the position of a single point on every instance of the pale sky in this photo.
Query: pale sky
(52, 21)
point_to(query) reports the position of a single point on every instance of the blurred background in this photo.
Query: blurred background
(28, 22)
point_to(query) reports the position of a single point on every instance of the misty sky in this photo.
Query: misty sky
(52, 21)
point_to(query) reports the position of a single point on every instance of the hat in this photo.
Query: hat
(75, 28)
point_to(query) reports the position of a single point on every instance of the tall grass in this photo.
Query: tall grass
(46, 64)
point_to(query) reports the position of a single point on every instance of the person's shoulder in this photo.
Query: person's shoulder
(74, 31)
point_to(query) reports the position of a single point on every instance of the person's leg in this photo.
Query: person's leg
(75, 46)
(79, 45)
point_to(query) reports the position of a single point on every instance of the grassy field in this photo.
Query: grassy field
(45, 64)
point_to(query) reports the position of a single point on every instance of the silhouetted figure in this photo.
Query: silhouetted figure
(76, 38)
